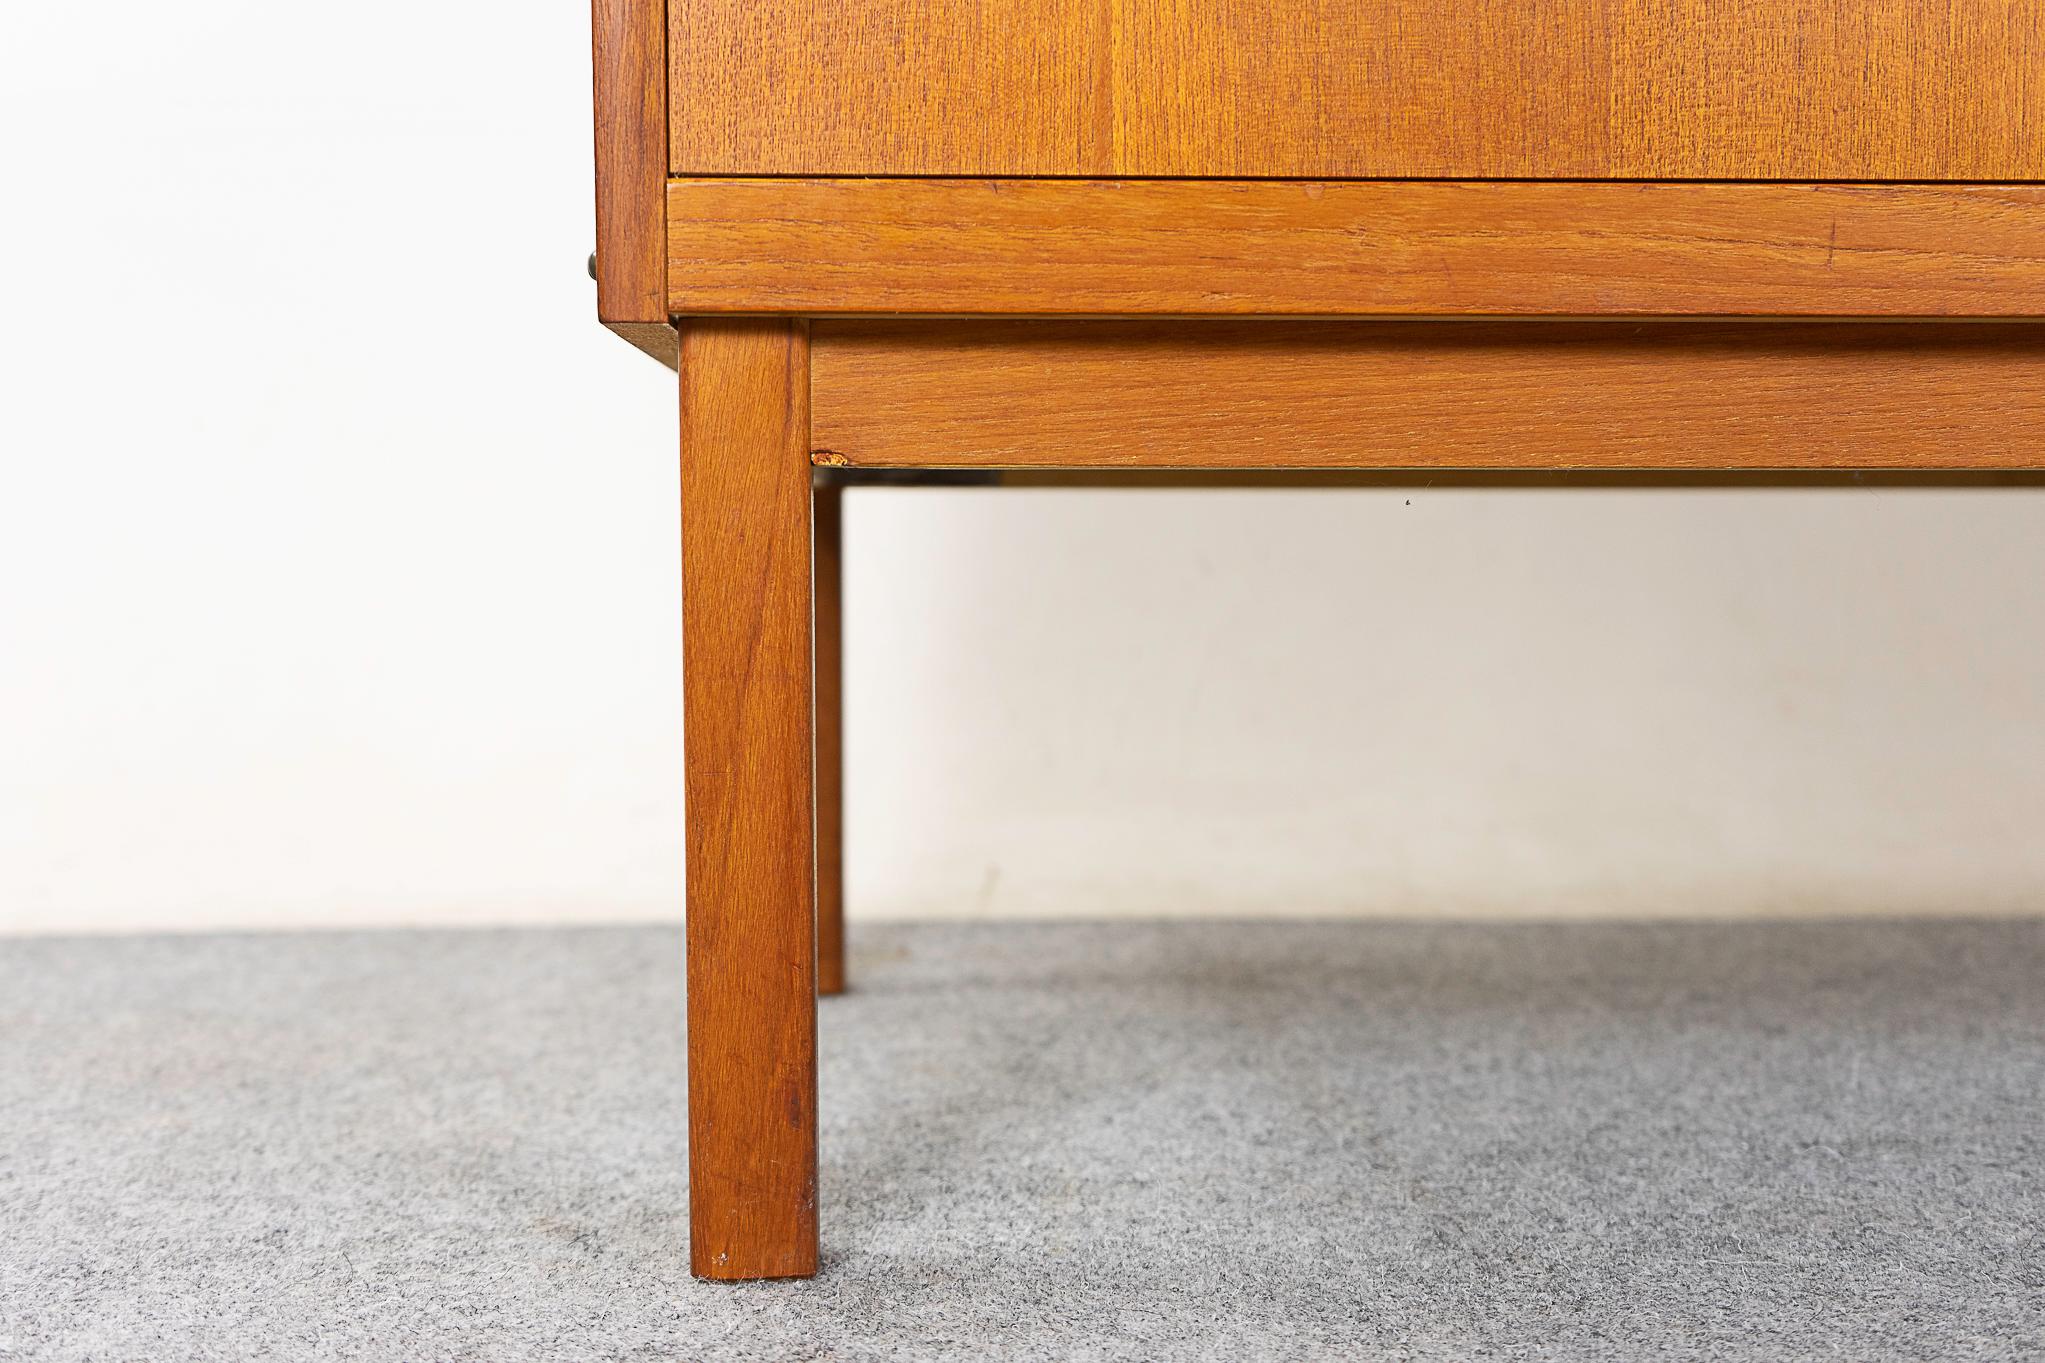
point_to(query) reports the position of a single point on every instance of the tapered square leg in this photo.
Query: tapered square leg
(748, 728)
(830, 742)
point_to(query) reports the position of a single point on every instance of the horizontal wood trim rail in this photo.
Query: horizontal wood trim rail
(1673, 395)
(1353, 248)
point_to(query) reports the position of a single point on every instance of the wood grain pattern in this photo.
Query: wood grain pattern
(747, 730)
(1818, 89)
(1353, 248)
(1619, 89)
(657, 339)
(629, 48)
(828, 616)
(1481, 395)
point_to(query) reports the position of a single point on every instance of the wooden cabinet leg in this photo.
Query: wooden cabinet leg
(830, 745)
(747, 695)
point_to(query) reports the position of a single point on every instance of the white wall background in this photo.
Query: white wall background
(330, 595)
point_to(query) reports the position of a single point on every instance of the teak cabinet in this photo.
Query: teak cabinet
(1223, 234)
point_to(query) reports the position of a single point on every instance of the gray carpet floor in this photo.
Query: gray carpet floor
(1155, 1141)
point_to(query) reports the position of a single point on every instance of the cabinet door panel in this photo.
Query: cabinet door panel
(1627, 89)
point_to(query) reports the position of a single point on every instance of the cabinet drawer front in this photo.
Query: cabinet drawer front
(1595, 89)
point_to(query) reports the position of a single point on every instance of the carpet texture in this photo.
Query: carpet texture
(1155, 1141)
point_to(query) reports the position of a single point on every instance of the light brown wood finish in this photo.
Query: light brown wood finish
(1356, 159)
(1538, 395)
(657, 339)
(1621, 89)
(828, 614)
(629, 42)
(1356, 248)
(747, 716)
